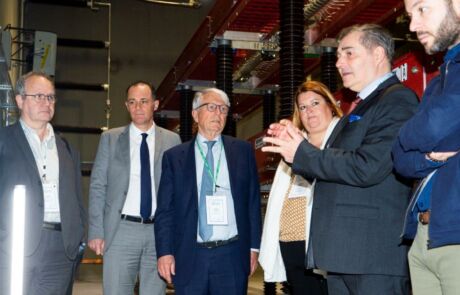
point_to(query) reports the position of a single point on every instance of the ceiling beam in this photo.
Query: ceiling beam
(219, 18)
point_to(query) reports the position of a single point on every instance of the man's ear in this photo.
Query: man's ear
(379, 54)
(19, 101)
(195, 115)
(156, 103)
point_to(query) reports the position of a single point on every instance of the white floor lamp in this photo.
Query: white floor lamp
(17, 253)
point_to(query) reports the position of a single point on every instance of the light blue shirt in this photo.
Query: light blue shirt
(220, 232)
(364, 93)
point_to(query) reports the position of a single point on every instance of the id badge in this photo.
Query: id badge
(50, 194)
(299, 192)
(216, 210)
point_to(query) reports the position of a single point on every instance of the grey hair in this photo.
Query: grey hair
(199, 96)
(373, 35)
(21, 83)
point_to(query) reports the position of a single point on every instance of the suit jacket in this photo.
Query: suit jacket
(359, 201)
(110, 178)
(18, 166)
(176, 217)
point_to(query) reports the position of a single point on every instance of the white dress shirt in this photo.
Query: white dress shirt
(220, 232)
(364, 93)
(47, 160)
(132, 204)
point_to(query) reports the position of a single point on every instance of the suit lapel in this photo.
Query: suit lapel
(24, 147)
(343, 121)
(361, 109)
(374, 96)
(158, 145)
(230, 154)
(188, 155)
(122, 152)
(64, 159)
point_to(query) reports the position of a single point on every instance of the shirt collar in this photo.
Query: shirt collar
(137, 132)
(201, 139)
(452, 53)
(49, 130)
(363, 94)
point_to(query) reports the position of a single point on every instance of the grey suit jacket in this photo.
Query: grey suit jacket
(18, 166)
(110, 179)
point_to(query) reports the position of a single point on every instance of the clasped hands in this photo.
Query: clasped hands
(285, 139)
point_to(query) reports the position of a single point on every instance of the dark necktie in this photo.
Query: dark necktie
(354, 104)
(205, 230)
(146, 179)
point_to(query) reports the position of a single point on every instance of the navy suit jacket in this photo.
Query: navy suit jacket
(359, 202)
(176, 217)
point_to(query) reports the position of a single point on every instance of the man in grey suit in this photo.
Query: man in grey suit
(359, 201)
(31, 154)
(122, 199)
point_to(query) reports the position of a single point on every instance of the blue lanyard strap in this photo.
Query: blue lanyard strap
(208, 168)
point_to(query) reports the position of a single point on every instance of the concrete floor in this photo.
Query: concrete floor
(89, 281)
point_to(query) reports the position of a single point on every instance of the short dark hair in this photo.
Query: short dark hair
(142, 82)
(21, 83)
(373, 35)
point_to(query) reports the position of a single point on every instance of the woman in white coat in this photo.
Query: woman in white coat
(287, 219)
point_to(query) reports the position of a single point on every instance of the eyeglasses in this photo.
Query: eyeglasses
(314, 104)
(40, 97)
(212, 107)
(142, 102)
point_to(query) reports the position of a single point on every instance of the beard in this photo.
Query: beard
(447, 35)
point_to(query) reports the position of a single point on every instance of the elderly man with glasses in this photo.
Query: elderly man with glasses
(31, 154)
(207, 224)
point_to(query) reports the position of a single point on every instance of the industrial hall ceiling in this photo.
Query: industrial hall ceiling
(253, 27)
(176, 44)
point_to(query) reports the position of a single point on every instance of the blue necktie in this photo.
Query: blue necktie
(205, 230)
(146, 179)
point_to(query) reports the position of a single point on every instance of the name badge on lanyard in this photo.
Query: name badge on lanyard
(50, 194)
(216, 210)
(216, 201)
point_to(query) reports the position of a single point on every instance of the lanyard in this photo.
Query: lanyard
(210, 171)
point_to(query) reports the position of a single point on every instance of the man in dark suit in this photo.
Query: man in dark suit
(359, 202)
(31, 154)
(207, 224)
(427, 149)
(119, 228)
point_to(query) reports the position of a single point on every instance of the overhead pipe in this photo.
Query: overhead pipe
(312, 7)
(224, 82)
(81, 86)
(190, 3)
(186, 120)
(72, 3)
(82, 43)
(291, 53)
(79, 129)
